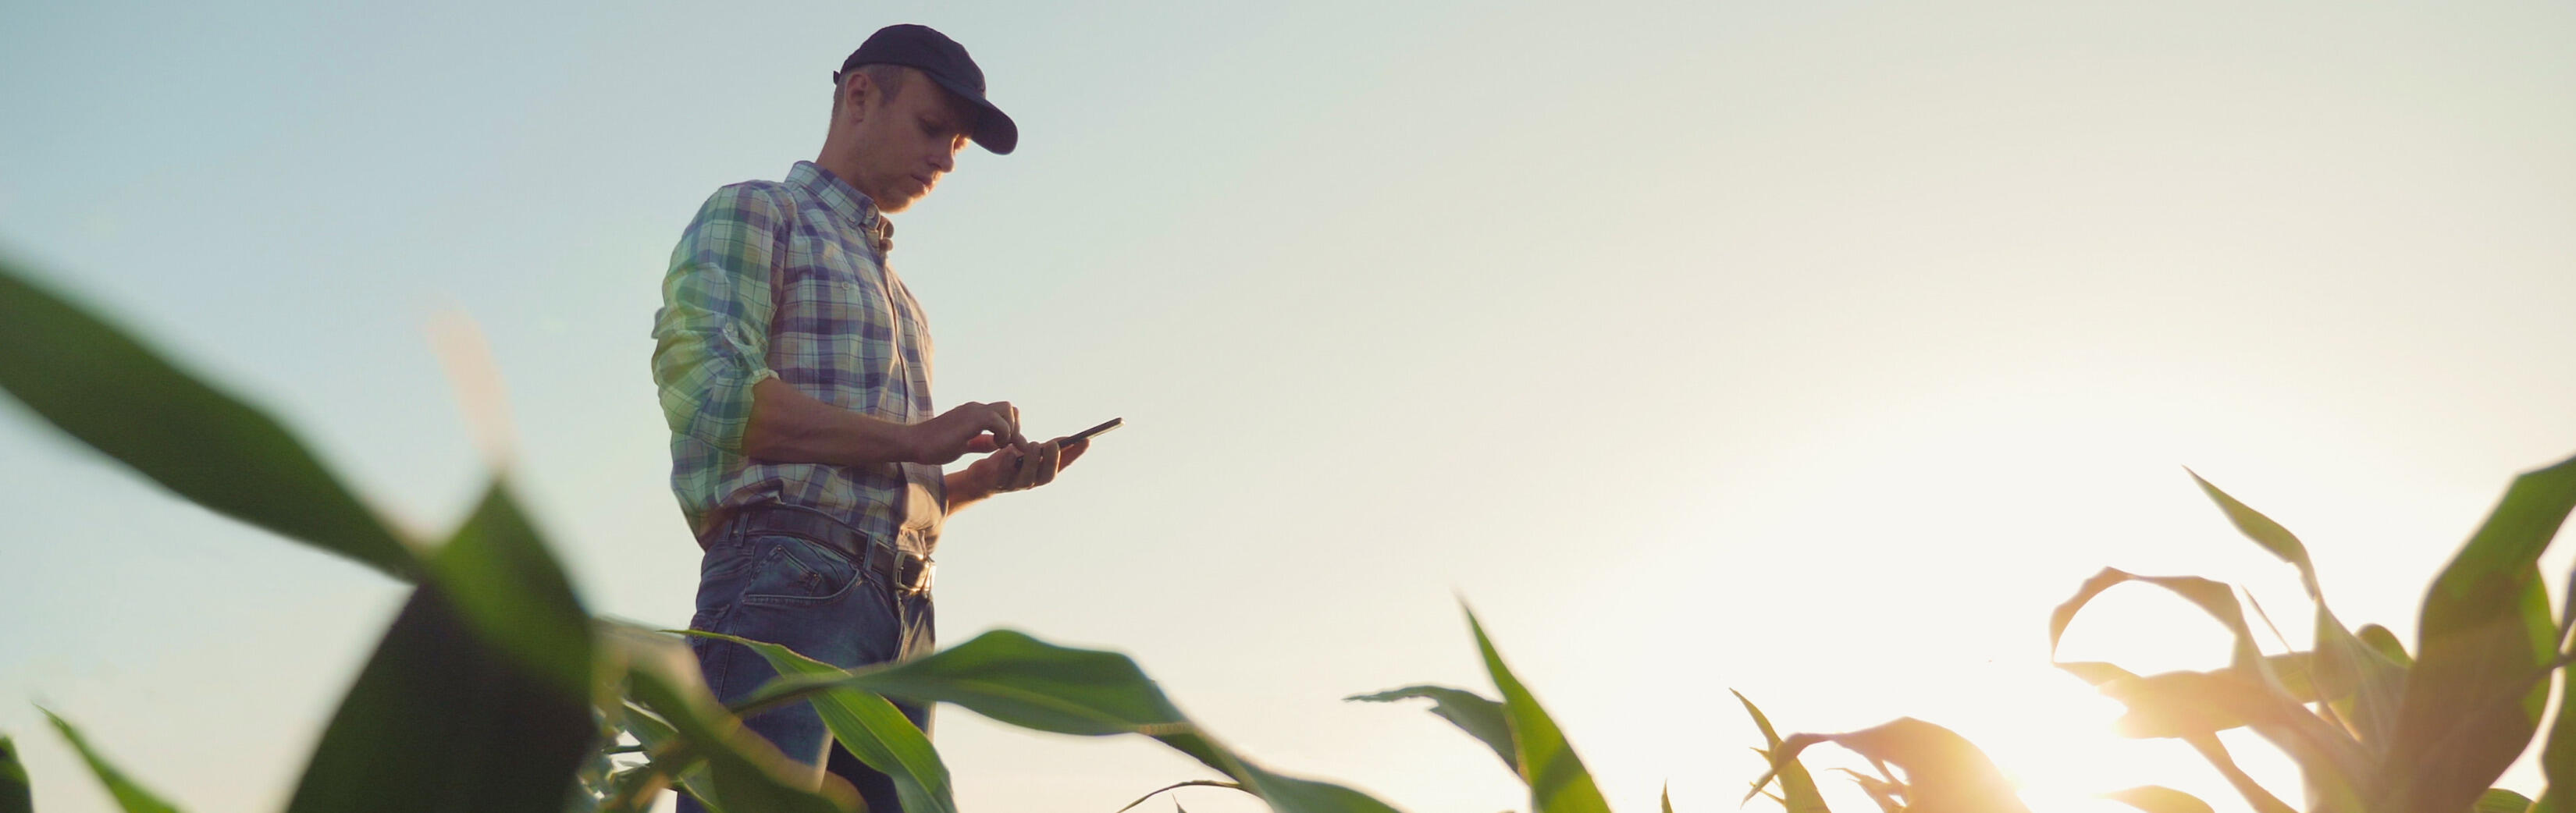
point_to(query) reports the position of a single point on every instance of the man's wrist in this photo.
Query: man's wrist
(906, 448)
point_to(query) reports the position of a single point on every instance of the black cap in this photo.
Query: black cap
(945, 62)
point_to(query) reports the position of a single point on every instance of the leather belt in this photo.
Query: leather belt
(902, 572)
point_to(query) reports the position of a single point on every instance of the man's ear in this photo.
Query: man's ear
(855, 90)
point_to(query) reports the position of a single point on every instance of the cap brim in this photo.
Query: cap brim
(994, 130)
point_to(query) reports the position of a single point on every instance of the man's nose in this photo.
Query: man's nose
(944, 160)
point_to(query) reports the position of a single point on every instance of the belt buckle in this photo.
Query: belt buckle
(920, 583)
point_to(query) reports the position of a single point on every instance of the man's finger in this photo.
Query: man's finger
(980, 444)
(1027, 476)
(1048, 456)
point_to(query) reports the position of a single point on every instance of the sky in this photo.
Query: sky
(1813, 350)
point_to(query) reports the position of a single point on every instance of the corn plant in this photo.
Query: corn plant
(2371, 727)
(494, 689)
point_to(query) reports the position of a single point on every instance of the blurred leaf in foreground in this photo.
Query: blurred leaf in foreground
(15, 794)
(101, 386)
(477, 698)
(130, 797)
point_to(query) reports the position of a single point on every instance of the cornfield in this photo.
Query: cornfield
(494, 689)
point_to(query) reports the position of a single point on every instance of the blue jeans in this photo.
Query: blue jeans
(790, 590)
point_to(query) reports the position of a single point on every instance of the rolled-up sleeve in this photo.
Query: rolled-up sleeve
(711, 336)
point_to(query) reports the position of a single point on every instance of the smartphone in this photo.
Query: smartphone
(1086, 434)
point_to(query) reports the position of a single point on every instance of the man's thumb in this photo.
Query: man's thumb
(980, 444)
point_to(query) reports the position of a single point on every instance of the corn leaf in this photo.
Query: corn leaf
(725, 765)
(2212, 597)
(1194, 783)
(130, 797)
(2216, 754)
(2487, 641)
(872, 729)
(1019, 680)
(2499, 800)
(2558, 755)
(16, 796)
(2338, 770)
(1479, 716)
(2374, 683)
(1557, 780)
(1944, 772)
(689, 737)
(101, 386)
(1798, 790)
(478, 698)
(2159, 799)
(2262, 530)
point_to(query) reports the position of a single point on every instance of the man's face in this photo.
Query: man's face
(907, 142)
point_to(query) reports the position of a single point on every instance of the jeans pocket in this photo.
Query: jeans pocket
(793, 570)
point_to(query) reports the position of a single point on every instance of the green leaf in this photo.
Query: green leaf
(872, 729)
(1019, 680)
(2338, 770)
(1194, 783)
(2159, 799)
(443, 720)
(130, 797)
(504, 582)
(1798, 791)
(1479, 716)
(99, 385)
(478, 698)
(2480, 679)
(2499, 800)
(2216, 753)
(2212, 597)
(2558, 754)
(2385, 643)
(1557, 780)
(16, 796)
(689, 735)
(2262, 530)
(2374, 683)
(1944, 773)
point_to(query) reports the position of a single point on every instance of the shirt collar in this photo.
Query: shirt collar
(844, 200)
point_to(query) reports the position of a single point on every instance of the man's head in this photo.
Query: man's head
(903, 105)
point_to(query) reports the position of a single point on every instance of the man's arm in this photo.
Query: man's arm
(710, 359)
(788, 426)
(711, 337)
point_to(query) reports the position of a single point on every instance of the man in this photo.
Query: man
(794, 370)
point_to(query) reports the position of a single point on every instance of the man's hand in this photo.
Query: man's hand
(1026, 467)
(1012, 468)
(966, 428)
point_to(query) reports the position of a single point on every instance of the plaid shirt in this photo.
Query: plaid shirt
(788, 280)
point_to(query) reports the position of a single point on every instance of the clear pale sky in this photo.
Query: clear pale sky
(1811, 349)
